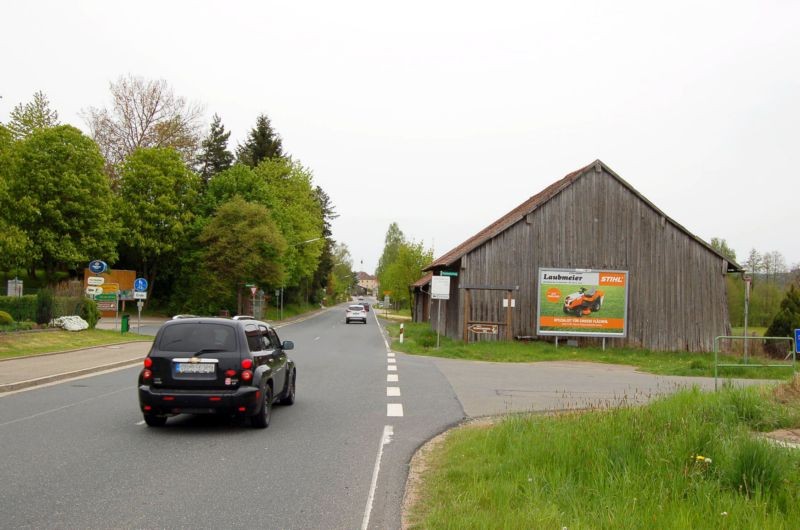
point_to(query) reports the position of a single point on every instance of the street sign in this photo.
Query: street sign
(797, 341)
(139, 305)
(140, 284)
(98, 267)
(140, 295)
(106, 297)
(111, 287)
(440, 287)
(95, 280)
(448, 273)
(94, 291)
(253, 290)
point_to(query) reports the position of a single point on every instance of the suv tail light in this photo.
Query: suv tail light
(147, 373)
(247, 374)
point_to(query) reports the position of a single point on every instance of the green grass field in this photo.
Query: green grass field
(688, 461)
(22, 344)
(420, 339)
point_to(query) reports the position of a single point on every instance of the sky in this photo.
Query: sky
(442, 116)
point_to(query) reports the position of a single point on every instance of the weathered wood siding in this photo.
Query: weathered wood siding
(422, 305)
(676, 294)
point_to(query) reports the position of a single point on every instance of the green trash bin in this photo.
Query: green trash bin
(125, 326)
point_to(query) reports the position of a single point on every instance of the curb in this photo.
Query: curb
(9, 387)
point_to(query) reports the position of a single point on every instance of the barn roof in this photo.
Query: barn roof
(422, 282)
(518, 213)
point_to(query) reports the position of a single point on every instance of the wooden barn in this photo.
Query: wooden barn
(589, 220)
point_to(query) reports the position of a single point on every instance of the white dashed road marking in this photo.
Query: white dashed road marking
(392, 391)
(392, 368)
(392, 361)
(394, 410)
(392, 378)
(390, 354)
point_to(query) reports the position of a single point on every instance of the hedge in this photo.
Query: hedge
(19, 307)
(23, 308)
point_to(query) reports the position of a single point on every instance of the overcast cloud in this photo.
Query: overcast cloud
(443, 116)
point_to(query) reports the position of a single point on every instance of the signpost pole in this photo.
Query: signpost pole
(746, 304)
(438, 321)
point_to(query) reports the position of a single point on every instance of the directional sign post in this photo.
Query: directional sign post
(440, 290)
(98, 267)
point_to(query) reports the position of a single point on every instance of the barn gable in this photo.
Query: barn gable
(592, 218)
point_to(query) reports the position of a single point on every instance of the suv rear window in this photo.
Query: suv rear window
(195, 336)
(355, 308)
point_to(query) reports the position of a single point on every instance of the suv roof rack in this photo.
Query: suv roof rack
(244, 317)
(178, 317)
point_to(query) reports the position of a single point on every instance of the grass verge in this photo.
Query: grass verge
(686, 461)
(420, 339)
(22, 344)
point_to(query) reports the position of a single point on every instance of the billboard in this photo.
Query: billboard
(582, 302)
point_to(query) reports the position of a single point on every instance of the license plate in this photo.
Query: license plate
(191, 368)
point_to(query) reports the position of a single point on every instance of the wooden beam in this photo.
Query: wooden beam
(466, 315)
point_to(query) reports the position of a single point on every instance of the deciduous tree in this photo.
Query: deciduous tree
(15, 247)
(721, 246)
(241, 244)
(293, 202)
(144, 114)
(392, 242)
(342, 277)
(158, 195)
(62, 199)
(406, 269)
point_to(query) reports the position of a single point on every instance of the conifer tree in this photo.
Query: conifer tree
(214, 154)
(32, 116)
(262, 143)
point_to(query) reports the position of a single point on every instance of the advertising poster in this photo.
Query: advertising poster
(582, 302)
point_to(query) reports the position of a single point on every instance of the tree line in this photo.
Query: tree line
(773, 294)
(400, 265)
(146, 190)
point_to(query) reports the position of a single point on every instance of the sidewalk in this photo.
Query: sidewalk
(24, 372)
(40, 369)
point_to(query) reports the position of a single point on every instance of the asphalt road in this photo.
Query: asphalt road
(77, 455)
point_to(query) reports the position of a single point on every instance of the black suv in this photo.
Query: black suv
(216, 366)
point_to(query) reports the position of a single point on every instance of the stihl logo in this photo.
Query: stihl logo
(612, 279)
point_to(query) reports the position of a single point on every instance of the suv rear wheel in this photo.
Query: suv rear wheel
(261, 419)
(288, 399)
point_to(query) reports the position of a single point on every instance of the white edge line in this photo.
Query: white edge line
(388, 432)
